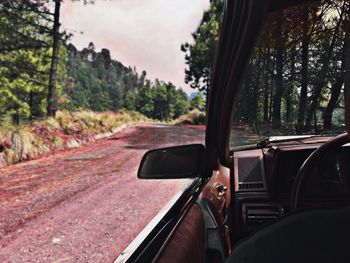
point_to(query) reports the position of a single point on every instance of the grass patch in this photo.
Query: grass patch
(194, 117)
(20, 143)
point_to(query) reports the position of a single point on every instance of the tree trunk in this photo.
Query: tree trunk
(266, 101)
(315, 122)
(289, 91)
(254, 93)
(336, 87)
(266, 88)
(247, 96)
(276, 111)
(31, 104)
(304, 69)
(317, 92)
(270, 104)
(323, 73)
(15, 117)
(51, 96)
(328, 113)
(288, 108)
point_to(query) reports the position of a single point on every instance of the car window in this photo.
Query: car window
(86, 89)
(297, 74)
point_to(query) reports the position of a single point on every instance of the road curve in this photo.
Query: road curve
(86, 204)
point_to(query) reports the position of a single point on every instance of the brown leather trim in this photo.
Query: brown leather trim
(187, 243)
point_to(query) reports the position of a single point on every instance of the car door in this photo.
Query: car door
(195, 225)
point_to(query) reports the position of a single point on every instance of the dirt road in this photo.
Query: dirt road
(86, 204)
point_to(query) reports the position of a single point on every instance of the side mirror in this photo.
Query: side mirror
(172, 163)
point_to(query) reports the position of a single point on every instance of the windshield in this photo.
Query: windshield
(295, 81)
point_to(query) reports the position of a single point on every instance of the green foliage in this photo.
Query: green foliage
(161, 107)
(25, 61)
(194, 117)
(23, 94)
(198, 102)
(130, 100)
(19, 143)
(97, 82)
(181, 104)
(92, 83)
(85, 79)
(86, 121)
(144, 100)
(24, 26)
(23, 142)
(200, 55)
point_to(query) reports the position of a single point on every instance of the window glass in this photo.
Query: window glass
(297, 75)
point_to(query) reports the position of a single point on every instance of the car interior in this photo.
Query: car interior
(269, 220)
(280, 202)
(286, 201)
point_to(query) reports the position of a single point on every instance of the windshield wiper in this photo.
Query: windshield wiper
(274, 139)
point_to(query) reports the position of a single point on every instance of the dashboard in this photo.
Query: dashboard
(263, 179)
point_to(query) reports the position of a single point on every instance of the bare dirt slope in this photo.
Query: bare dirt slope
(86, 204)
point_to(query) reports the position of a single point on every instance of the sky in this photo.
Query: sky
(146, 34)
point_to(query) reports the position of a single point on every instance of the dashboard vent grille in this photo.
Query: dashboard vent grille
(251, 186)
(259, 216)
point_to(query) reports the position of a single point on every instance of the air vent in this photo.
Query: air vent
(251, 186)
(257, 217)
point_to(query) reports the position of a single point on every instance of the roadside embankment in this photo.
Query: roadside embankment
(66, 130)
(194, 117)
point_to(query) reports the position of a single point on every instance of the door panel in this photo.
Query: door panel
(215, 201)
(187, 244)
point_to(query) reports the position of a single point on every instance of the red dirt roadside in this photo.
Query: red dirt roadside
(86, 204)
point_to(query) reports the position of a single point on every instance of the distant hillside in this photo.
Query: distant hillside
(35, 84)
(95, 81)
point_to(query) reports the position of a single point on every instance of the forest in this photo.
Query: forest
(296, 78)
(299, 70)
(297, 74)
(41, 73)
(95, 81)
